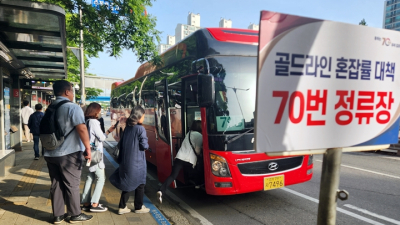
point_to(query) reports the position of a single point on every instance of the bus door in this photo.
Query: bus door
(191, 112)
(164, 146)
(175, 109)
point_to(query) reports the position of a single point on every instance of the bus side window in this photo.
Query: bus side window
(161, 121)
(175, 93)
(192, 107)
(148, 99)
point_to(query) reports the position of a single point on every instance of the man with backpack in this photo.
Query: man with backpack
(61, 131)
(33, 124)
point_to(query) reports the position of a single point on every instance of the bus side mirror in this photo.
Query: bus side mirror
(206, 94)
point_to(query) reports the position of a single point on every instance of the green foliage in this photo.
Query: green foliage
(363, 23)
(91, 93)
(106, 31)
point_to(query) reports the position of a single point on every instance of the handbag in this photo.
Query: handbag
(118, 148)
(199, 162)
(96, 154)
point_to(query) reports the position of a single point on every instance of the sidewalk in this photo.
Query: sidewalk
(25, 195)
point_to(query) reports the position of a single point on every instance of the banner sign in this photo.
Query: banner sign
(110, 5)
(16, 93)
(324, 84)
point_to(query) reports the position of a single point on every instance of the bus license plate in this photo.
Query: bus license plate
(274, 182)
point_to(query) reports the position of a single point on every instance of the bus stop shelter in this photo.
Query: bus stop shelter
(32, 54)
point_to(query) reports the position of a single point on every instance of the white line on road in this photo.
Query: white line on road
(369, 171)
(185, 206)
(372, 214)
(365, 219)
(394, 158)
(192, 212)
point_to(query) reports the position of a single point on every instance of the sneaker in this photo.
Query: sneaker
(80, 218)
(124, 210)
(98, 208)
(59, 219)
(36, 158)
(142, 210)
(159, 196)
(86, 208)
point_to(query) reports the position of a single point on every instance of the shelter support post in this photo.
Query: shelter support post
(15, 116)
(2, 137)
(329, 186)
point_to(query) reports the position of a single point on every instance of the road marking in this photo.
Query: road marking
(337, 208)
(157, 215)
(186, 207)
(395, 158)
(372, 214)
(369, 171)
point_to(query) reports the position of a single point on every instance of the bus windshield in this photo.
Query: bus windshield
(235, 94)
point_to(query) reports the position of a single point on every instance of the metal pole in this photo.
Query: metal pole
(329, 186)
(2, 131)
(82, 61)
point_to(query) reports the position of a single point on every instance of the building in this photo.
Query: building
(104, 83)
(253, 27)
(193, 19)
(183, 30)
(162, 48)
(225, 23)
(391, 15)
(170, 40)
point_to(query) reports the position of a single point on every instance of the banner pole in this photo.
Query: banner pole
(329, 186)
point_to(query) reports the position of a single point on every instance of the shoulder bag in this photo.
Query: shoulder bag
(96, 154)
(118, 148)
(199, 161)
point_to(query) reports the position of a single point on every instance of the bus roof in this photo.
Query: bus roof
(204, 42)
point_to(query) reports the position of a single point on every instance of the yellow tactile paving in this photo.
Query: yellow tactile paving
(29, 179)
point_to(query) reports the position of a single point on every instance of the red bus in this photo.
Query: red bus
(208, 76)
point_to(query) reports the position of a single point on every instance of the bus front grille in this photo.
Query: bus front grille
(270, 166)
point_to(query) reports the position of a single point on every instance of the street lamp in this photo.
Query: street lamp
(75, 86)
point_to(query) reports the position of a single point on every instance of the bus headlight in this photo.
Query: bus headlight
(310, 160)
(219, 167)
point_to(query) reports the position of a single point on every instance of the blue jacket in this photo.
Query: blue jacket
(34, 122)
(132, 168)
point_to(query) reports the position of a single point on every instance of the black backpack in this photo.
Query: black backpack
(51, 134)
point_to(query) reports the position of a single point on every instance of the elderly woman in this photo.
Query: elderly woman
(130, 176)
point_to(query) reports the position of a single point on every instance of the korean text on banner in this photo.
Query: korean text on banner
(324, 84)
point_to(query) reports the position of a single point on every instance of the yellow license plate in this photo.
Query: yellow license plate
(274, 182)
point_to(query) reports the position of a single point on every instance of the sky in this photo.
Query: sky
(242, 12)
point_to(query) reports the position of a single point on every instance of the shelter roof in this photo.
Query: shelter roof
(33, 39)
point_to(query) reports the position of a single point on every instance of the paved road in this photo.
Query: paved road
(372, 179)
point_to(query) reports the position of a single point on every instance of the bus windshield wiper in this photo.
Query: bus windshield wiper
(238, 136)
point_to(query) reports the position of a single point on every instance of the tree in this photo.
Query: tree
(105, 31)
(363, 22)
(130, 28)
(92, 93)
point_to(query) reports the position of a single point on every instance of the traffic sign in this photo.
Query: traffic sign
(324, 84)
